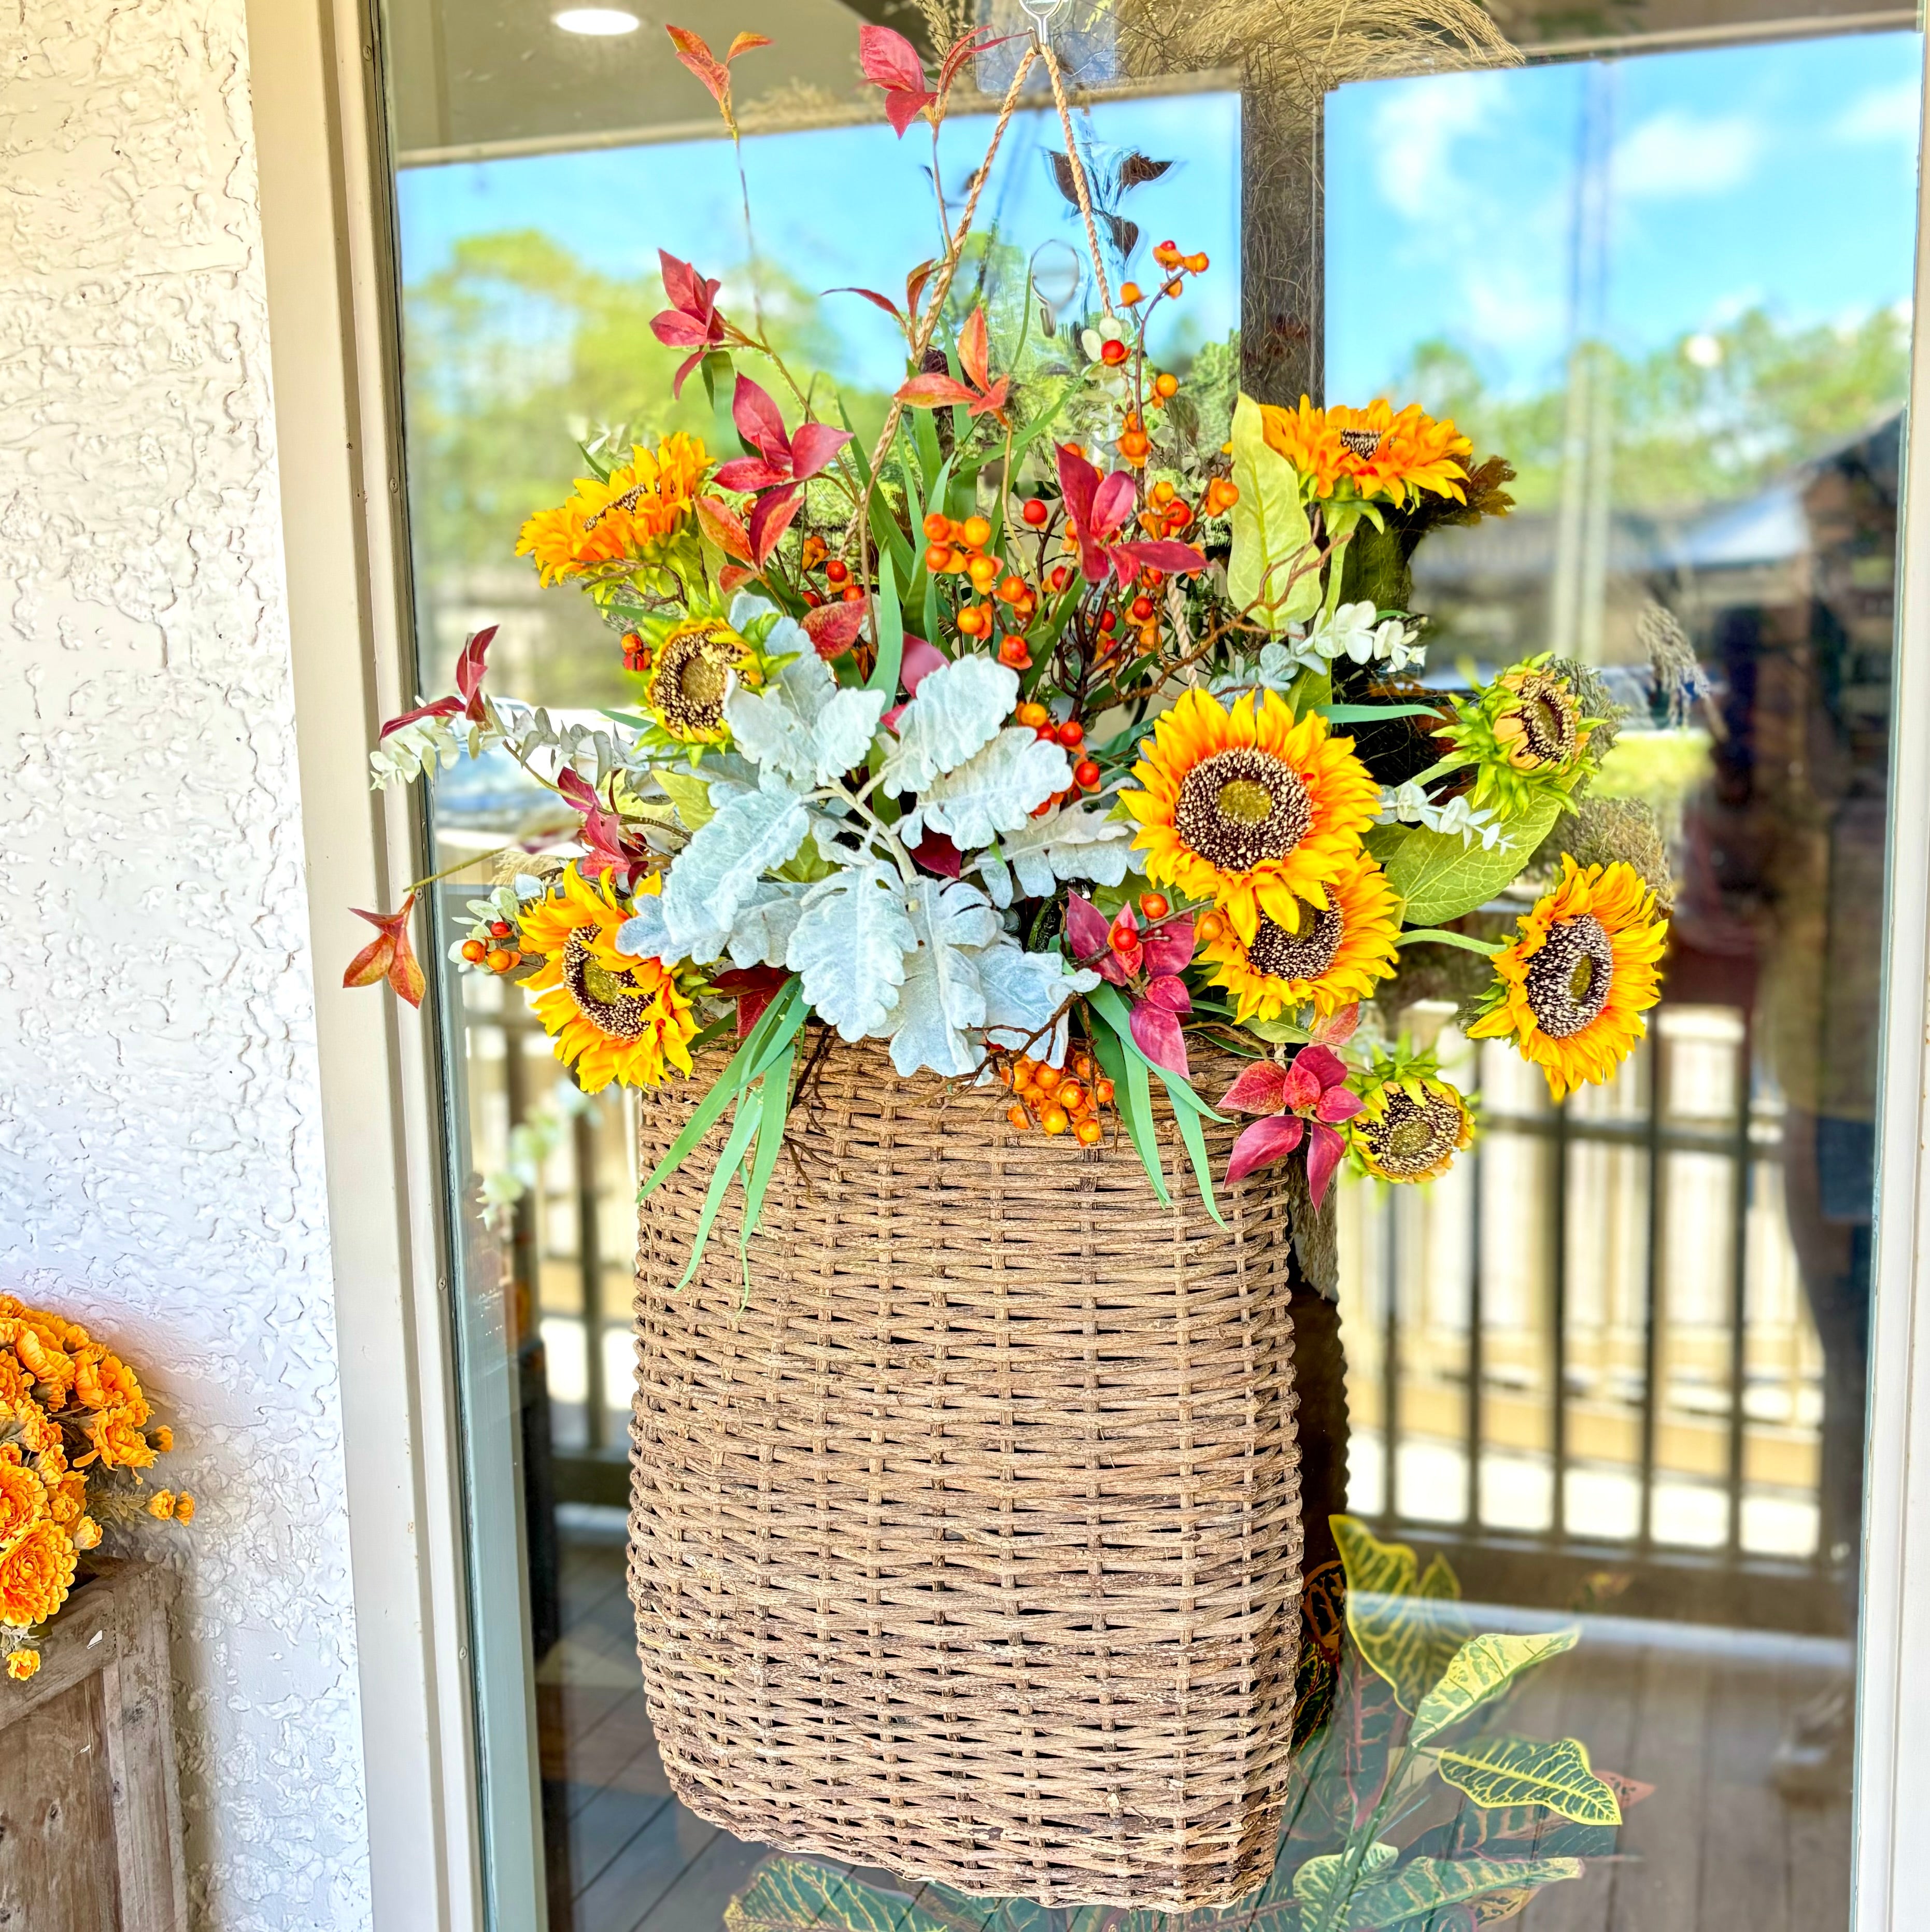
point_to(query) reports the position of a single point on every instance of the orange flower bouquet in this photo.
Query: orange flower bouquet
(75, 1434)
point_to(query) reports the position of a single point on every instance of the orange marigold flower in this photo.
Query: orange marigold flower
(36, 1573)
(86, 1533)
(117, 1443)
(162, 1438)
(160, 1505)
(1374, 452)
(183, 1507)
(23, 1498)
(67, 1499)
(646, 501)
(50, 1365)
(21, 1664)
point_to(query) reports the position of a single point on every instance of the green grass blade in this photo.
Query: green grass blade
(1184, 1100)
(750, 1111)
(776, 1111)
(891, 634)
(1133, 1097)
(1195, 1135)
(732, 1081)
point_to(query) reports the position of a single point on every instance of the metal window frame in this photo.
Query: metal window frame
(325, 200)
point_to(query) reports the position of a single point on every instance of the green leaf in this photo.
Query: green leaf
(1132, 1094)
(1433, 935)
(1271, 535)
(1313, 690)
(1499, 1771)
(786, 1009)
(1441, 877)
(1425, 1884)
(1439, 1580)
(777, 1109)
(1107, 998)
(1384, 841)
(924, 439)
(1194, 1136)
(797, 1895)
(749, 1111)
(891, 634)
(1407, 1638)
(1372, 714)
(1481, 1668)
(1317, 1882)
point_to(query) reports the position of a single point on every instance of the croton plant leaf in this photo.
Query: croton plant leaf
(1503, 1771)
(1481, 1668)
(1408, 1638)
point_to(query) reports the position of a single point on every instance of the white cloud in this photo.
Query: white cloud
(1672, 155)
(1415, 129)
(1887, 113)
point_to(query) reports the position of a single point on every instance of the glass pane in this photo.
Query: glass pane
(1610, 1367)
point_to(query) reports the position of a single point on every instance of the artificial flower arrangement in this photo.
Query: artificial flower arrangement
(76, 1433)
(1047, 740)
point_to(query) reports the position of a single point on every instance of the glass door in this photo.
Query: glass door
(1609, 1374)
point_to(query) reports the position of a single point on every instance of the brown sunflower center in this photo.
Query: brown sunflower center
(1550, 719)
(693, 679)
(624, 503)
(610, 1001)
(1304, 955)
(1409, 1137)
(1570, 978)
(1241, 806)
(1360, 442)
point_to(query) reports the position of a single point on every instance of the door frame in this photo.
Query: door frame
(325, 200)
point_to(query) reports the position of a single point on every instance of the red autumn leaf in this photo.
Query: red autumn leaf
(1263, 1143)
(1166, 991)
(1337, 1028)
(967, 45)
(1337, 1104)
(696, 56)
(1259, 1089)
(934, 392)
(887, 59)
(833, 629)
(733, 576)
(781, 458)
(1176, 559)
(725, 528)
(753, 988)
(974, 349)
(914, 284)
(772, 517)
(813, 447)
(388, 955)
(1324, 1150)
(692, 321)
(468, 702)
(1157, 1033)
(936, 854)
(1086, 927)
(759, 420)
(745, 42)
(876, 301)
(1170, 948)
(608, 847)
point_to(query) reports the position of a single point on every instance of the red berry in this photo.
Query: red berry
(499, 928)
(1113, 352)
(1142, 609)
(1109, 621)
(852, 594)
(1153, 904)
(837, 570)
(812, 598)
(1071, 732)
(1035, 512)
(1087, 773)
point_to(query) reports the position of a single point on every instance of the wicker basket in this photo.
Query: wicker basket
(969, 1547)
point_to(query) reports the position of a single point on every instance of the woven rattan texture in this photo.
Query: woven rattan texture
(969, 1547)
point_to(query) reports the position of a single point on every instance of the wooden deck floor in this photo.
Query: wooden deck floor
(1715, 1849)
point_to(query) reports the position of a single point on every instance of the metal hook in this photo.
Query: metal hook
(1041, 12)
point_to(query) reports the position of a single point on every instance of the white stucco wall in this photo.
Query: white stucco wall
(160, 1155)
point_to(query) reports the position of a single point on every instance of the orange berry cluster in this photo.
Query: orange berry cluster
(1178, 265)
(1057, 1098)
(498, 953)
(1085, 773)
(958, 548)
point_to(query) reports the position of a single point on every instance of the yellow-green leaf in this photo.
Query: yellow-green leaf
(1271, 536)
(1495, 1771)
(1439, 1580)
(1407, 1637)
(1481, 1666)
(1425, 1885)
(1317, 1881)
(1441, 876)
(691, 797)
(798, 1895)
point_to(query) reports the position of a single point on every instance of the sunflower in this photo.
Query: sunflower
(690, 675)
(1333, 957)
(1370, 452)
(613, 1017)
(1527, 733)
(1572, 989)
(1410, 1128)
(644, 501)
(1254, 808)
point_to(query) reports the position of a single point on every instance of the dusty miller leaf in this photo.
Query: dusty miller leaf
(996, 789)
(761, 935)
(718, 872)
(959, 708)
(805, 725)
(1077, 841)
(849, 946)
(1024, 993)
(943, 998)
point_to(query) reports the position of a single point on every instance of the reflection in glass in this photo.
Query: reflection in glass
(1609, 1369)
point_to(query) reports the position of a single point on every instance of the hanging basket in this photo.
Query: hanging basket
(969, 1544)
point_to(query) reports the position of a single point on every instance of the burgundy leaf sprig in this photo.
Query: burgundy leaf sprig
(1306, 1100)
(468, 701)
(1099, 508)
(1147, 965)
